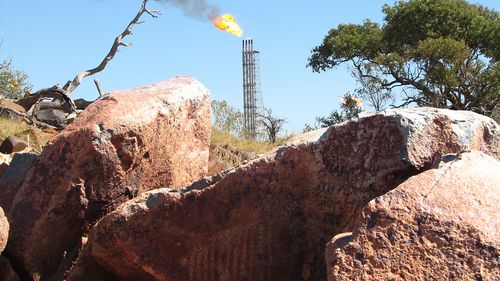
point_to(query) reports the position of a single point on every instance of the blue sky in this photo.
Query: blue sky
(55, 39)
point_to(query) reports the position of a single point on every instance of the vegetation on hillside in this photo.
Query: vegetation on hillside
(242, 144)
(227, 151)
(230, 145)
(230, 120)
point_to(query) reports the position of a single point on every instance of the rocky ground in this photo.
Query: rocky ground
(120, 194)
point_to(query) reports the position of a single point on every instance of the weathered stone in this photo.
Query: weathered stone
(3, 168)
(14, 176)
(4, 230)
(54, 104)
(81, 104)
(271, 218)
(120, 146)
(54, 117)
(439, 225)
(6, 271)
(12, 144)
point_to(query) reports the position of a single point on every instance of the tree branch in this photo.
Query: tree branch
(54, 92)
(99, 87)
(71, 85)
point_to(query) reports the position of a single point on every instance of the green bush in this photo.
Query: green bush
(13, 83)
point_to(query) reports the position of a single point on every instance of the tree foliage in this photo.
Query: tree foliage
(441, 53)
(227, 119)
(13, 83)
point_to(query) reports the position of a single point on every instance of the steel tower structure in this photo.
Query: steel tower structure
(251, 87)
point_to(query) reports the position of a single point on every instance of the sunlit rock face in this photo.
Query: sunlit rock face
(271, 218)
(122, 145)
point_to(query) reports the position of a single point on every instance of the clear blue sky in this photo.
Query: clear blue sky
(53, 40)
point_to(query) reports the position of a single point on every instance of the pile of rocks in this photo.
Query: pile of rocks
(120, 195)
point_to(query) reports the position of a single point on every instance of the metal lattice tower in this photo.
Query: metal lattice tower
(251, 87)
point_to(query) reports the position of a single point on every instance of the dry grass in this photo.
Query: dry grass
(236, 147)
(35, 137)
(243, 145)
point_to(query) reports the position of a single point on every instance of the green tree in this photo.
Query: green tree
(227, 119)
(13, 83)
(440, 53)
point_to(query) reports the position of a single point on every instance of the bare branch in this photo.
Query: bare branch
(272, 124)
(153, 13)
(54, 92)
(99, 87)
(71, 85)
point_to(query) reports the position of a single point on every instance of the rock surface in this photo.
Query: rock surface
(82, 104)
(14, 176)
(54, 117)
(4, 103)
(6, 271)
(12, 144)
(439, 225)
(271, 218)
(122, 145)
(3, 167)
(4, 230)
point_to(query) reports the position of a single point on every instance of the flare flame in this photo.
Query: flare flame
(228, 23)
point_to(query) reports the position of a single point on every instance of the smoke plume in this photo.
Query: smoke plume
(198, 9)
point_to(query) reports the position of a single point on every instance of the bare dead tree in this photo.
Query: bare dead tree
(30, 101)
(272, 124)
(71, 85)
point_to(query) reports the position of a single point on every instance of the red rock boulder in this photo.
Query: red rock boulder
(121, 146)
(271, 218)
(442, 224)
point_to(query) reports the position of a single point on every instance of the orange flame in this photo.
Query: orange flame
(228, 23)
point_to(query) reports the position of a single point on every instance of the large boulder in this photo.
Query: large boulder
(121, 146)
(271, 218)
(442, 224)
